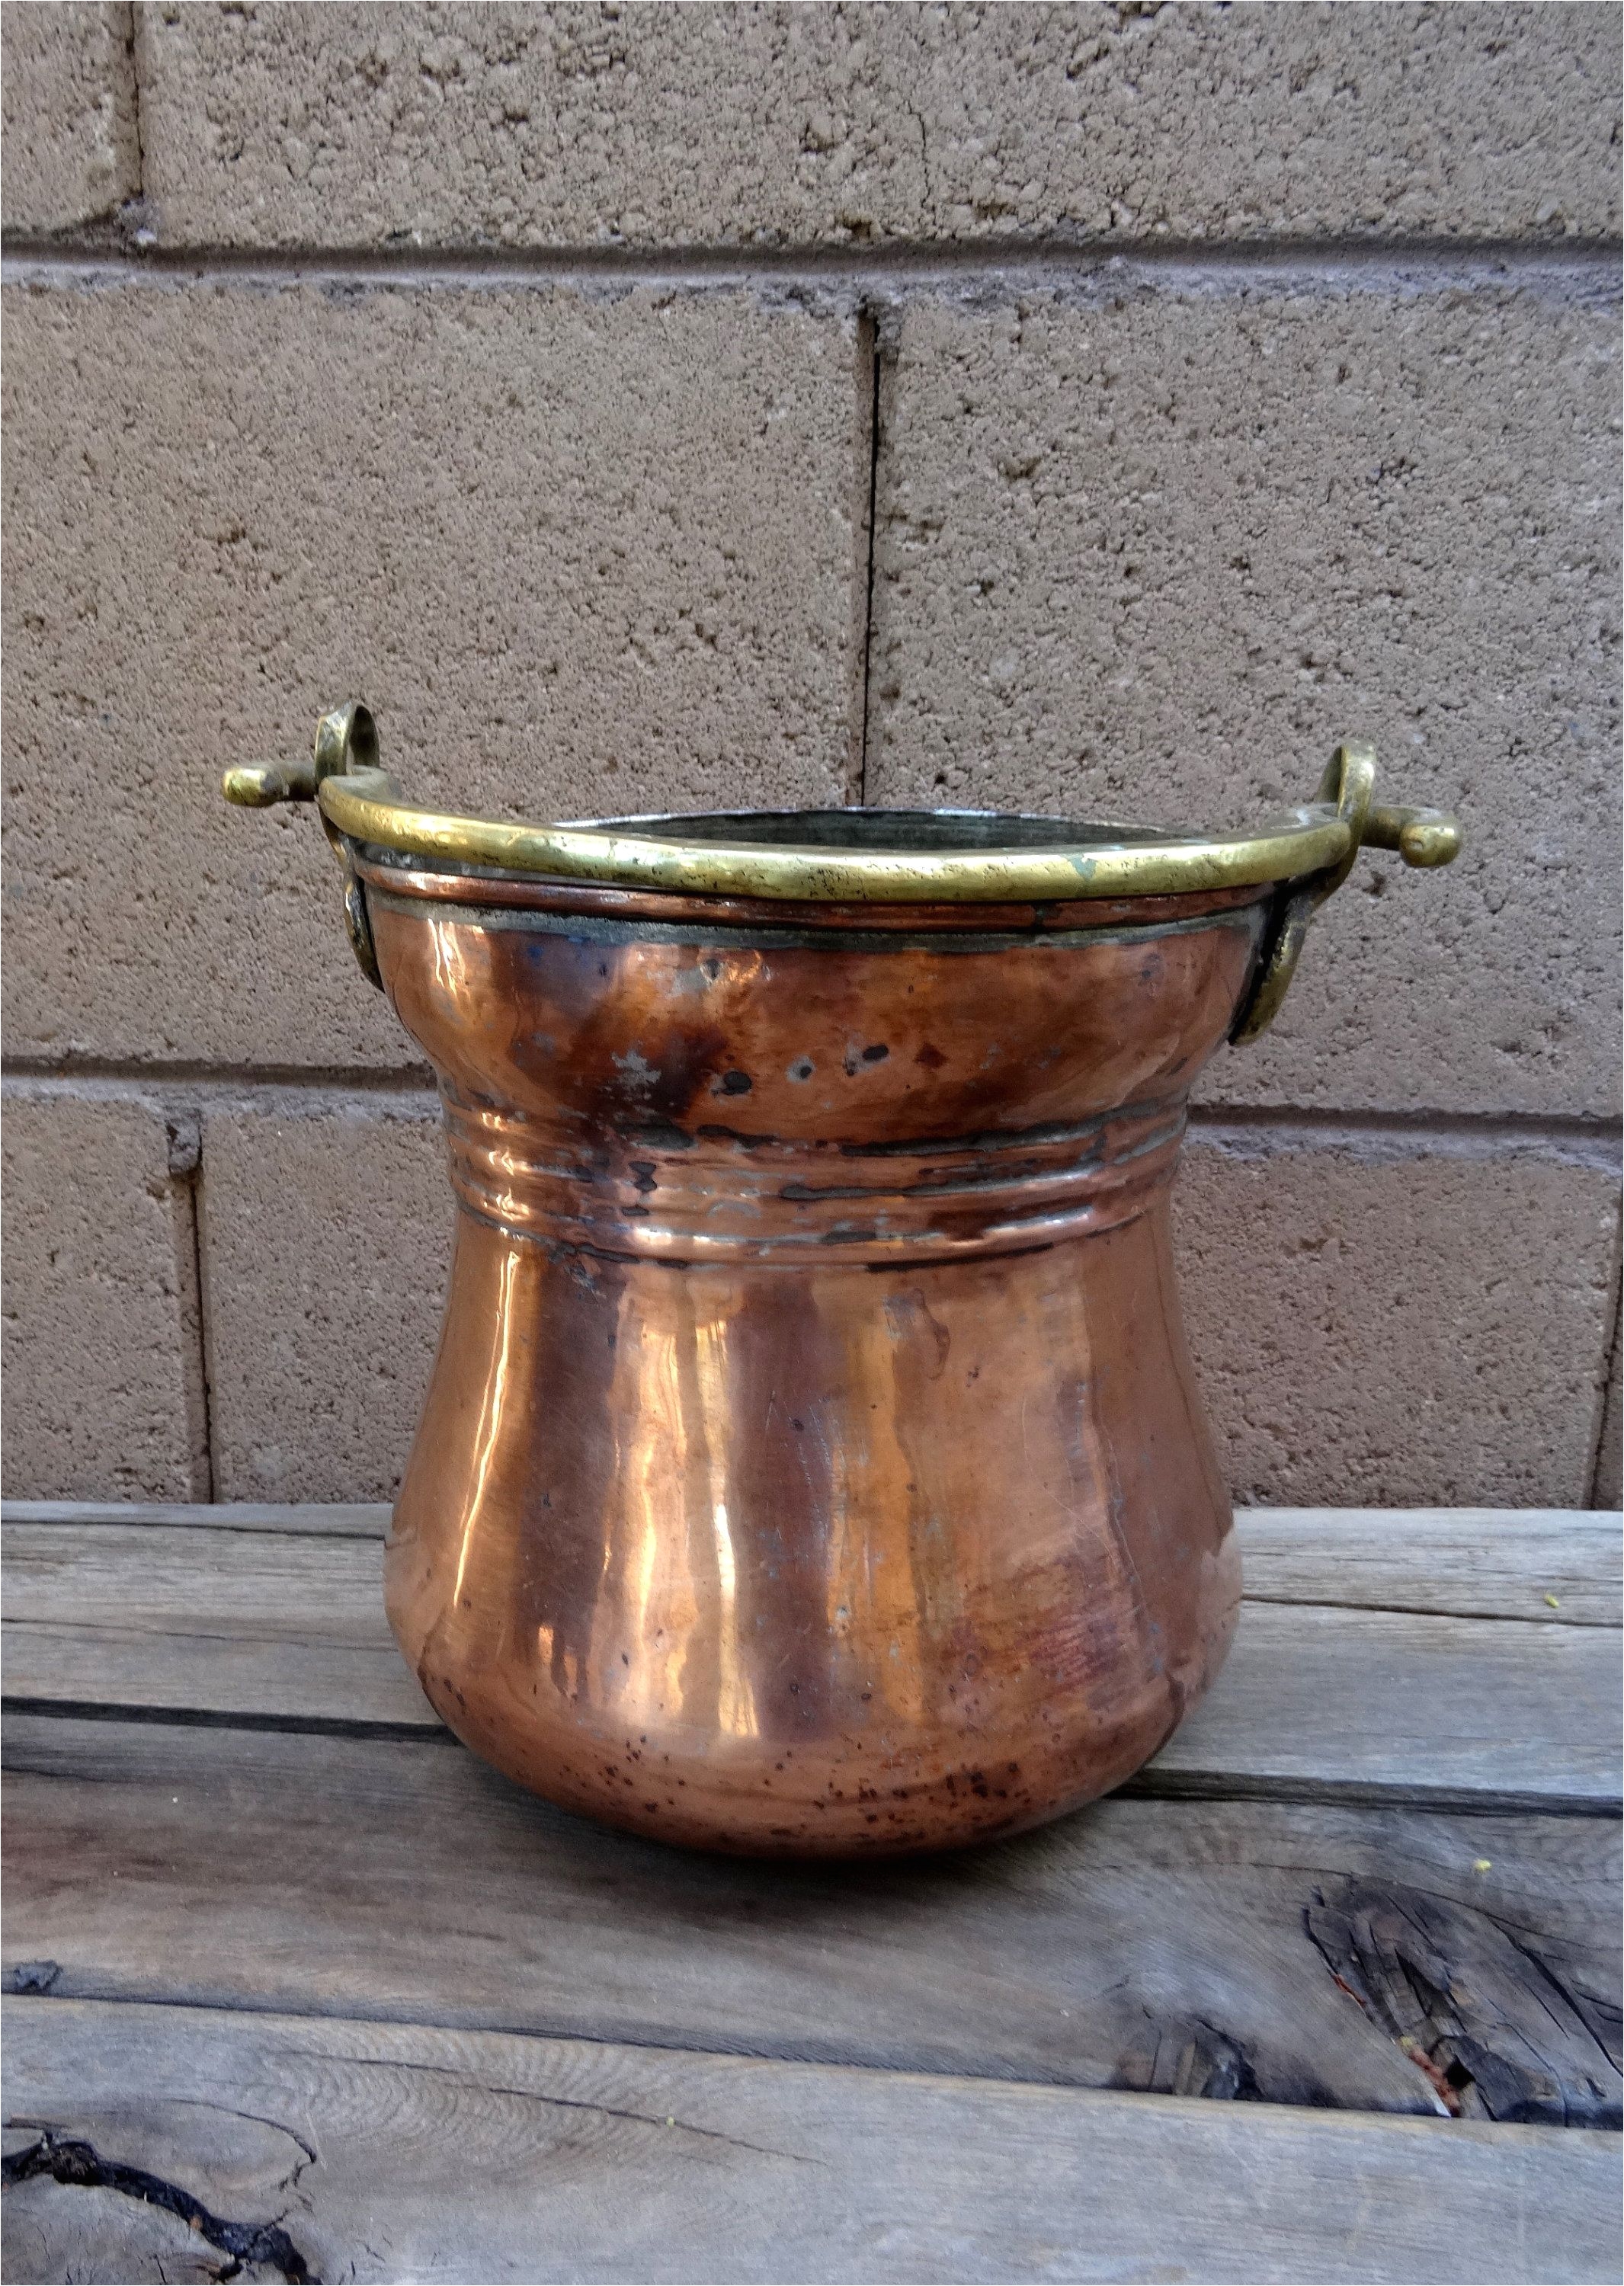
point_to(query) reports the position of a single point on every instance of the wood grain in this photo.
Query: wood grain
(1364, 1705)
(1187, 1947)
(933, 2070)
(1477, 1562)
(231, 1622)
(403, 2151)
(1402, 1706)
(1558, 1566)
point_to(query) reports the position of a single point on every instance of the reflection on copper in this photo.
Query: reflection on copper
(488, 1436)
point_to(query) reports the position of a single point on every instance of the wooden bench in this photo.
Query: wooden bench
(295, 1985)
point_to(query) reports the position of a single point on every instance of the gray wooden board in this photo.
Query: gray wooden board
(1402, 1703)
(1279, 1949)
(1560, 1566)
(234, 1621)
(389, 2151)
(1188, 1947)
(1477, 1562)
(1366, 1704)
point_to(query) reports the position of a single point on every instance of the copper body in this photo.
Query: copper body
(812, 1463)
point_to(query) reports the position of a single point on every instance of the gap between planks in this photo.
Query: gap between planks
(1326, 1700)
(1556, 1566)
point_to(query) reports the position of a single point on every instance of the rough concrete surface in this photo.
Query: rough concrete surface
(1369, 1327)
(102, 1368)
(1370, 1323)
(1151, 554)
(581, 555)
(69, 145)
(1333, 450)
(327, 1232)
(334, 124)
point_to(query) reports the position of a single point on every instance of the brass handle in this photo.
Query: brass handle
(346, 746)
(1424, 838)
(359, 804)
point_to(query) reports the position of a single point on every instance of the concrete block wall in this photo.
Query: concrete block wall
(1086, 407)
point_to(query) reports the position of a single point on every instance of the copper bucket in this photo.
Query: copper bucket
(812, 1463)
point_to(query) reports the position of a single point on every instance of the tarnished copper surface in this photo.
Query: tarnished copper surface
(812, 1463)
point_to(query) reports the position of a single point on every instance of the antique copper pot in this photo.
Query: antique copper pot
(812, 1463)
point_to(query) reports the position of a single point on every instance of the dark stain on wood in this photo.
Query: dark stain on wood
(80, 2166)
(1488, 2018)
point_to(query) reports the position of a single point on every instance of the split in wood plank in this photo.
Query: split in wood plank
(394, 2151)
(1194, 1948)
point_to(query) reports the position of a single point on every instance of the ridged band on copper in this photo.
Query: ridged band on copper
(499, 892)
(730, 1198)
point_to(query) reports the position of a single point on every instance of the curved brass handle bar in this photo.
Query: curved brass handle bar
(1309, 852)
(361, 803)
(366, 810)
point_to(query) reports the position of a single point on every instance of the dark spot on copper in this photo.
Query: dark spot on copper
(735, 1083)
(802, 1067)
(876, 1054)
(736, 1135)
(931, 1058)
(643, 1174)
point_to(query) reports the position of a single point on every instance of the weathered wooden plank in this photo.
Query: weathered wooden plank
(227, 1622)
(1428, 1709)
(1369, 1704)
(381, 2151)
(1475, 1563)
(1560, 1566)
(1189, 1947)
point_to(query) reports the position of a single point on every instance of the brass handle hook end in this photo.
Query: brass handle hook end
(259, 786)
(346, 742)
(346, 745)
(1424, 838)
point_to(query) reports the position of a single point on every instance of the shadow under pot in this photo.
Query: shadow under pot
(812, 1463)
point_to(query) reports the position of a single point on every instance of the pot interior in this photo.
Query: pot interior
(899, 832)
